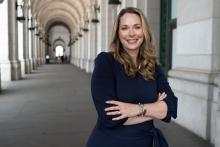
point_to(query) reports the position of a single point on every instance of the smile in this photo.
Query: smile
(132, 40)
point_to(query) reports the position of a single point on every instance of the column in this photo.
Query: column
(103, 31)
(81, 50)
(112, 14)
(13, 41)
(33, 46)
(93, 39)
(37, 46)
(5, 65)
(77, 52)
(73, 55)
(41, 49)
(3, 31)
(89, 42)
(93, 46)
(26, 39)
(21, 46)
(152, 11)
(217, 127)
(197, 63)
(89, 48)
(86, 46)
(72, 51)
(30, 29)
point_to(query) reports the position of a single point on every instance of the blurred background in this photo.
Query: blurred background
(54, 42)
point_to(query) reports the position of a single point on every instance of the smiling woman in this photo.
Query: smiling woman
(129, 89)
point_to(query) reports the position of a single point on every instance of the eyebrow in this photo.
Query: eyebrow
(128, 25)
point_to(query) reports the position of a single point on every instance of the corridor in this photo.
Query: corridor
(52, 107)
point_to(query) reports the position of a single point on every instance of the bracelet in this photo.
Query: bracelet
(140, 111)
(143, 110)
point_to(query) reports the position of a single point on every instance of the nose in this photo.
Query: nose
(131, 32)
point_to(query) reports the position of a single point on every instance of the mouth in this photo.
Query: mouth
(132, 41)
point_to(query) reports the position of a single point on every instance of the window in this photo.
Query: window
(168, 34)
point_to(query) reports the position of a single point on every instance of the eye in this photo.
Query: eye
(137, 27)
(123, 28)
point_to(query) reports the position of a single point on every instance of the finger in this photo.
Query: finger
(113, 102)
(118, 118)
(163, 96)
(113, 113)
(159, 94)
(112, 108)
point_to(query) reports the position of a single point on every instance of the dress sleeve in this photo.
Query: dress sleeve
(171, 99)
(103, 88)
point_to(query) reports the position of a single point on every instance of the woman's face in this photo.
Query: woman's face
(130, 32)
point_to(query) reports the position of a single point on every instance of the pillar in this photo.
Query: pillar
(81, 50)
(197, 63)
(37, 46)
(21, 46)
(33, 46)
(103, 31)
(3, 10)
(217, 124)
(26, 39)
(86, 48)
(13, 41)
(77, 53)
(112, 14)
(5, 65)
(41, 50)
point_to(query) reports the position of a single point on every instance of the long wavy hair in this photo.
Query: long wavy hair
(146, 57)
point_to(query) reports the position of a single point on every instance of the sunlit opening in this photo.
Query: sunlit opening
(59, 51)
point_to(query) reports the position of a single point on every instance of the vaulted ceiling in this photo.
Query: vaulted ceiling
(68, 12)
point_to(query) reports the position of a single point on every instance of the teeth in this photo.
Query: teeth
(132, 41)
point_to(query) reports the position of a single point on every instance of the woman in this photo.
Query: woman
(129, 89)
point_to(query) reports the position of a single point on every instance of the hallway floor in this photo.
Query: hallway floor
(52, 107)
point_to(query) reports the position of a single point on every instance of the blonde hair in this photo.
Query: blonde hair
(146, 57)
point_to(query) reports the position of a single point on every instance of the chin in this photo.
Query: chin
(133, 48)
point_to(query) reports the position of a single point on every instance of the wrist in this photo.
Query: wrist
(142, 109)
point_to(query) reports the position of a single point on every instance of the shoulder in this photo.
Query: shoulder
(158, 70)
(103, 64)
(104, 57)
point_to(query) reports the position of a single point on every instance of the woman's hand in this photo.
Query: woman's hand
(161, 96)
(122, 109)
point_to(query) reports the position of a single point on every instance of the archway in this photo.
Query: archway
(59, 50)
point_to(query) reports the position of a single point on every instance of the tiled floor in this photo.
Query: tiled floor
(52, 107)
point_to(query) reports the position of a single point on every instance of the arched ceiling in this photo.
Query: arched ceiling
(69, 12)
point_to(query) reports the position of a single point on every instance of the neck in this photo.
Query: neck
(134, 55)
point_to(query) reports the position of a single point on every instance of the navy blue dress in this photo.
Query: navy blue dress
(109, 81)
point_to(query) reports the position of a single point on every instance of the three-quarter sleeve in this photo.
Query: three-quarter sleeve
(103, 88)
(171, 99)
